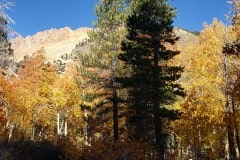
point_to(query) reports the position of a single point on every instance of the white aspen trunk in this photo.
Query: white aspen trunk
(66, 125)
(65, 128)
(40, 133)
(85, 133)
(7, 124)
(61, 127)
(6, 115)
(33, 131)
(58, 124)
(10, 132)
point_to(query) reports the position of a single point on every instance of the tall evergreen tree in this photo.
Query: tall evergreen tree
(6, 53)
(232, 49)
(106, 43)
(152, 81)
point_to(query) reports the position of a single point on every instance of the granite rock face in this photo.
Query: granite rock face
(55, 42)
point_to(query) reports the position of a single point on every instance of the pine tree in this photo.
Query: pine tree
(232, 49)
(106, 42)
(152, 82)
(6, 53)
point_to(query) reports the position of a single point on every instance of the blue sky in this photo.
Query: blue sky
(31, 16)
(193, 13)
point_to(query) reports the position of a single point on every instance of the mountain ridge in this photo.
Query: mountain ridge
(58, 43)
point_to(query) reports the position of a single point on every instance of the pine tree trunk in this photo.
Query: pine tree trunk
(115, 115)
(230, 131)
(114, 99)
(158, 137)
(156, 102)
(139, 123)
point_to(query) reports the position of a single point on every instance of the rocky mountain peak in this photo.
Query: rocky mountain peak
(56, 42)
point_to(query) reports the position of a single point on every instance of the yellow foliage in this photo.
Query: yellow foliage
(201, 122)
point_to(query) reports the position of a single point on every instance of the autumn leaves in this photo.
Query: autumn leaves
(36, 97)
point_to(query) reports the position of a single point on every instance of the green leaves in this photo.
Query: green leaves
(152, 81)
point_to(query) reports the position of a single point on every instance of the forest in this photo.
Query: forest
(135, 95)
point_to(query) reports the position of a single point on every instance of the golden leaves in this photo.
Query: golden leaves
(34, 95)
(203, 108)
